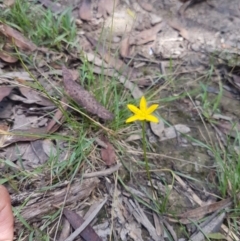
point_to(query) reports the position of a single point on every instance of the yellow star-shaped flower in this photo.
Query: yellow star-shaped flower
(144, 113)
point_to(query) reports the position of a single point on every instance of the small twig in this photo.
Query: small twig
(104, 172)
(86, 222)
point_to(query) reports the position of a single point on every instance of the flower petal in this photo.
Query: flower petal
(134, 109)
(151, 109)
(152, 118)
(143, 104)
(132, 118)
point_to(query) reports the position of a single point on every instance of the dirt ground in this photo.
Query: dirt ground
(183, 55)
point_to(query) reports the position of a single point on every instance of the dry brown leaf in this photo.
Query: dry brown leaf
(7, 57)
(33, 96)
(83, 97)
(76, 221)
(183, 32)
(93, 58)
(146, 35)
(108, 154)
(20, 135)
(5, 91)
(106, 7)
(200, 212)
(17, 38)
(146, 6)
(85, 12)
(32, 134)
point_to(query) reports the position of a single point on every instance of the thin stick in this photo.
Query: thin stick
(86, 222)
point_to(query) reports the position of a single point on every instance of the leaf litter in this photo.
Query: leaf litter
(16, 38)
(108, 154)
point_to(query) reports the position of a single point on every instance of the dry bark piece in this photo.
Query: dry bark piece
(83, 97)
(16, 75)
(54, 198)
(17, 38)
(32, 134)
(108, 154)
(7, 57)
(88, 234)
(200, 212)
(85, 12)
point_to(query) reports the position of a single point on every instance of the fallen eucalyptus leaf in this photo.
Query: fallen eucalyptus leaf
(108, 154)
(85, 12)
(17, 38)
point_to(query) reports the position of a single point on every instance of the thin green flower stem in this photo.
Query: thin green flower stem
(145, 154)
